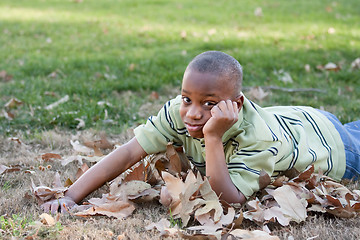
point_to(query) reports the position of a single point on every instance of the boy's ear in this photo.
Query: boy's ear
(240, 100)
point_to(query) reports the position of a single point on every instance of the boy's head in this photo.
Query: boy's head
(221, 64)
(208, 79)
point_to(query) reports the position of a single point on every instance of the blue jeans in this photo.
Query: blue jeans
(350, 135)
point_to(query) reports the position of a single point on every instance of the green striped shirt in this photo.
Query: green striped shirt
(274, 139)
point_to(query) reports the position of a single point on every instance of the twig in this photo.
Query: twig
(288, 89)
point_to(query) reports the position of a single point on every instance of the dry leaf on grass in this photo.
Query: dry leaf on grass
(252, 235)
(118, 209)
(47, 219)
(290, 205)
(163, 226)
(10, 168)
(43, 193)
(189, 196)
(12, 103)
(47, 157)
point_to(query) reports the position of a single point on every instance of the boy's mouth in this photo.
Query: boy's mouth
(193, 127)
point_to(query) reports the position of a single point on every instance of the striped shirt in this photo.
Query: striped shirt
(275, 139)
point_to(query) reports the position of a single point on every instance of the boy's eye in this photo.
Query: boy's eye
(209, 104)
(186, 100)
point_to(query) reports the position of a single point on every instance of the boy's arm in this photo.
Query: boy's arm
(107, 169)
(218, 173)
(224, 115)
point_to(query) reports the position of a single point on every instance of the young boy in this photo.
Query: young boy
(229, 138)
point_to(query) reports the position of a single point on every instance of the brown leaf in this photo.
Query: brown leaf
(305, 175)
(208, 226)
(71, 159)
(47, 219)
(5, 76)
(276, 213)
(81, 170)
(165, 197)
(154, 95)
(68, 182)
(80, 148)
(136, 173)
(8, 115)
(163, 226)
(355, 64)
(131, 190)
(103, 143)
(332, 67)
(12, 103)
(44, 193)
(279, 181)
(252, 235)
(290, 204)
(47, 157)
(117, 209)
(174, 165)
(257, 93)
(264, 179)
(10, 168)
(257, 212)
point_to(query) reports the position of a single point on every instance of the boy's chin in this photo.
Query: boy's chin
(196, 134)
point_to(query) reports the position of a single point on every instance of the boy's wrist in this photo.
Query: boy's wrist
(212, 138)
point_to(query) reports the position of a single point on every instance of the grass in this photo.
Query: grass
(121, 51)
(95, 52)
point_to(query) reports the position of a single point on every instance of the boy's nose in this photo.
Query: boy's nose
(194, 113)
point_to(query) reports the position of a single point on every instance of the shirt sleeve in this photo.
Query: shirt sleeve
(245, 165)
(161, 129)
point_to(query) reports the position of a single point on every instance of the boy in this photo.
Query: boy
(213, 120)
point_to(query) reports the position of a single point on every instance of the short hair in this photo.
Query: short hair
(220, 63)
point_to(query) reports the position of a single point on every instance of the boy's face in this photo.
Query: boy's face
(200, 93)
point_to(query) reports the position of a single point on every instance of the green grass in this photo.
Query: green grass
(93, 45)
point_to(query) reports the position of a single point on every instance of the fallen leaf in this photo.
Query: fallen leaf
(3, 168)
(80, 148)
(5, 76)
(8, 115)
(264, 179)
(355, 64)
(332, 67)
(283, 76)
(47, 219)
(10, 168)
(71, 159)
(117, 209)
(163, 226)
(257, 93)
(258, 12)
(252, 235)
(84, 167)
(47, 157)
(103, 143)
(289, 204)
(81, 123)
(129, 190)
(12, 103)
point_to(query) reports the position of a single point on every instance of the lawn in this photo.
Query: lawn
(119, 61)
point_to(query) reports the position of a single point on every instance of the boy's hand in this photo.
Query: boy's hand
(223, 116)
(62, 204)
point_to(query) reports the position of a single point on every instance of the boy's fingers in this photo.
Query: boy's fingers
(54, 207)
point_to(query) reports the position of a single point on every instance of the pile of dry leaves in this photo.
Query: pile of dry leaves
(195, 211)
